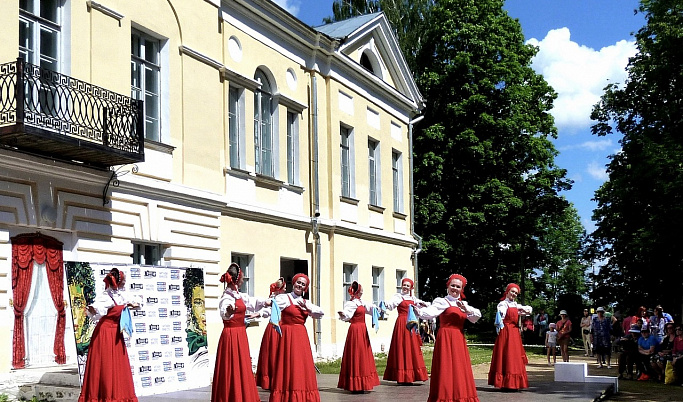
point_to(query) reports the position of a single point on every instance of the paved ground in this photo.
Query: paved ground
(389, 391)
(541, 382)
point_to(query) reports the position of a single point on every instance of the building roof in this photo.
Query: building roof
(342, 29)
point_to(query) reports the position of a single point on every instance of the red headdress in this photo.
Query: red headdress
(297, 276)
(355, 290)
(111, 281)
(507, 289)
(462, 279)
(277, 287)
(228, 279)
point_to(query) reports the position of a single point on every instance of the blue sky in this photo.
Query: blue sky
(584, 45)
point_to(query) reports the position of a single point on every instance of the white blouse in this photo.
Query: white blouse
(507, 303)
(283, 302)
(440, 305)
(397, 298)
(351, 306)
(228, 298)
(105, 301)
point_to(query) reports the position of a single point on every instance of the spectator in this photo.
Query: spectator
(602, 343)
(641, 314)
(528, 330)
(586, 333)
(551, 343)
(646, 349)
(665, 352)
(541, 323)
(628, 354)
(657, 323)
(564, 330)
(677, 351)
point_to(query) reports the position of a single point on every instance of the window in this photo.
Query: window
(292, 147)
(346, 162)
(397, 174)
(39, 32)
(148, 254)
(234, 117)
(245, 261)
(350, 275)
(145, 80)
(263, 130)
(400, 274)
(377, 285)
(374, 172)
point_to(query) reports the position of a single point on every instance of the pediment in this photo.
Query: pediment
(369, 42)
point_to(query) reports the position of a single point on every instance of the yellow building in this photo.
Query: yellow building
(200, 132)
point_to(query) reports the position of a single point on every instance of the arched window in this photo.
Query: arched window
(365, 62)
(263, 127)
(370, 62)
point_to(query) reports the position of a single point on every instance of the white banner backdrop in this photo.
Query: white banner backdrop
(167, 350)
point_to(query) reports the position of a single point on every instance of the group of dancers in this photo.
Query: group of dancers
(285, 365)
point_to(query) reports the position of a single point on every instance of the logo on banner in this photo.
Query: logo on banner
(179, 352)
(145, 369)
(181, 377)
(167, 366)
(156, 355)
(150, 274)
(163, 339)
(146, 381)
(153, 327)
(161, 286)
(175, 300)
(136, 286)
(143, 355)
(176, 339)
(173, 288)
(140, 327)
(135, 272)
(152, 300)
(141, 341)
(175, 274)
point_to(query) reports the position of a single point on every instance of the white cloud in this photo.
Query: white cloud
(578, 74)
(597, 145)
(597, 171)
(292, 6)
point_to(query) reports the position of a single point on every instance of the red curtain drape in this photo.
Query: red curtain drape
(27, 249)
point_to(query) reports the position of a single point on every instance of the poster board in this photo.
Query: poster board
(168, 348)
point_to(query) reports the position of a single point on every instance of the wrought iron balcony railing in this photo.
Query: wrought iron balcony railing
(53, 115)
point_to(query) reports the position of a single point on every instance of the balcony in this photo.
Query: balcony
(59, 117)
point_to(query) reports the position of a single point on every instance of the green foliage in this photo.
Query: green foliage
(486, 184)
(640, 213)
(4, 398)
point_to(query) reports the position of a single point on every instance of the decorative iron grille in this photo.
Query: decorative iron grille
(48, 100)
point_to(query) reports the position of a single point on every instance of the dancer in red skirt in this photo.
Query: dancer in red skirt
(452, 377)
(293, 378)
(405, 363)
(233, 380)
(508, 362)
(269, 342)
(358, 371)
(107, 370)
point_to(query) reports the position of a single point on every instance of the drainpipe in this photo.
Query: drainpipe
(417, 237)
(316, 210)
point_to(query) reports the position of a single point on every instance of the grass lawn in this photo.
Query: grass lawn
(477, 355)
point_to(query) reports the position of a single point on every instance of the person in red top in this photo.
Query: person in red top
(233, 380)
(508, 361)
(269, 342)
(107, 370)
(293, 376)
(564, 330)
(452, 378)
(405, 363)
(358, 371)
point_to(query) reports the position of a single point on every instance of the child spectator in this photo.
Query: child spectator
(551, 342)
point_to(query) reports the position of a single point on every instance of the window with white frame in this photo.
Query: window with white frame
(235, 111)
(400, 274)
(374, 172)
(246, 263)
(377, 285)
(39, 32)
(145, 80)
(350, 274)
(148, 254)
(346, 146)
(292, 147)
(263, 126)
(397, 174)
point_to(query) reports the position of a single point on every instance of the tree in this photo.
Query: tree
(485, 177)
(640, 209)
